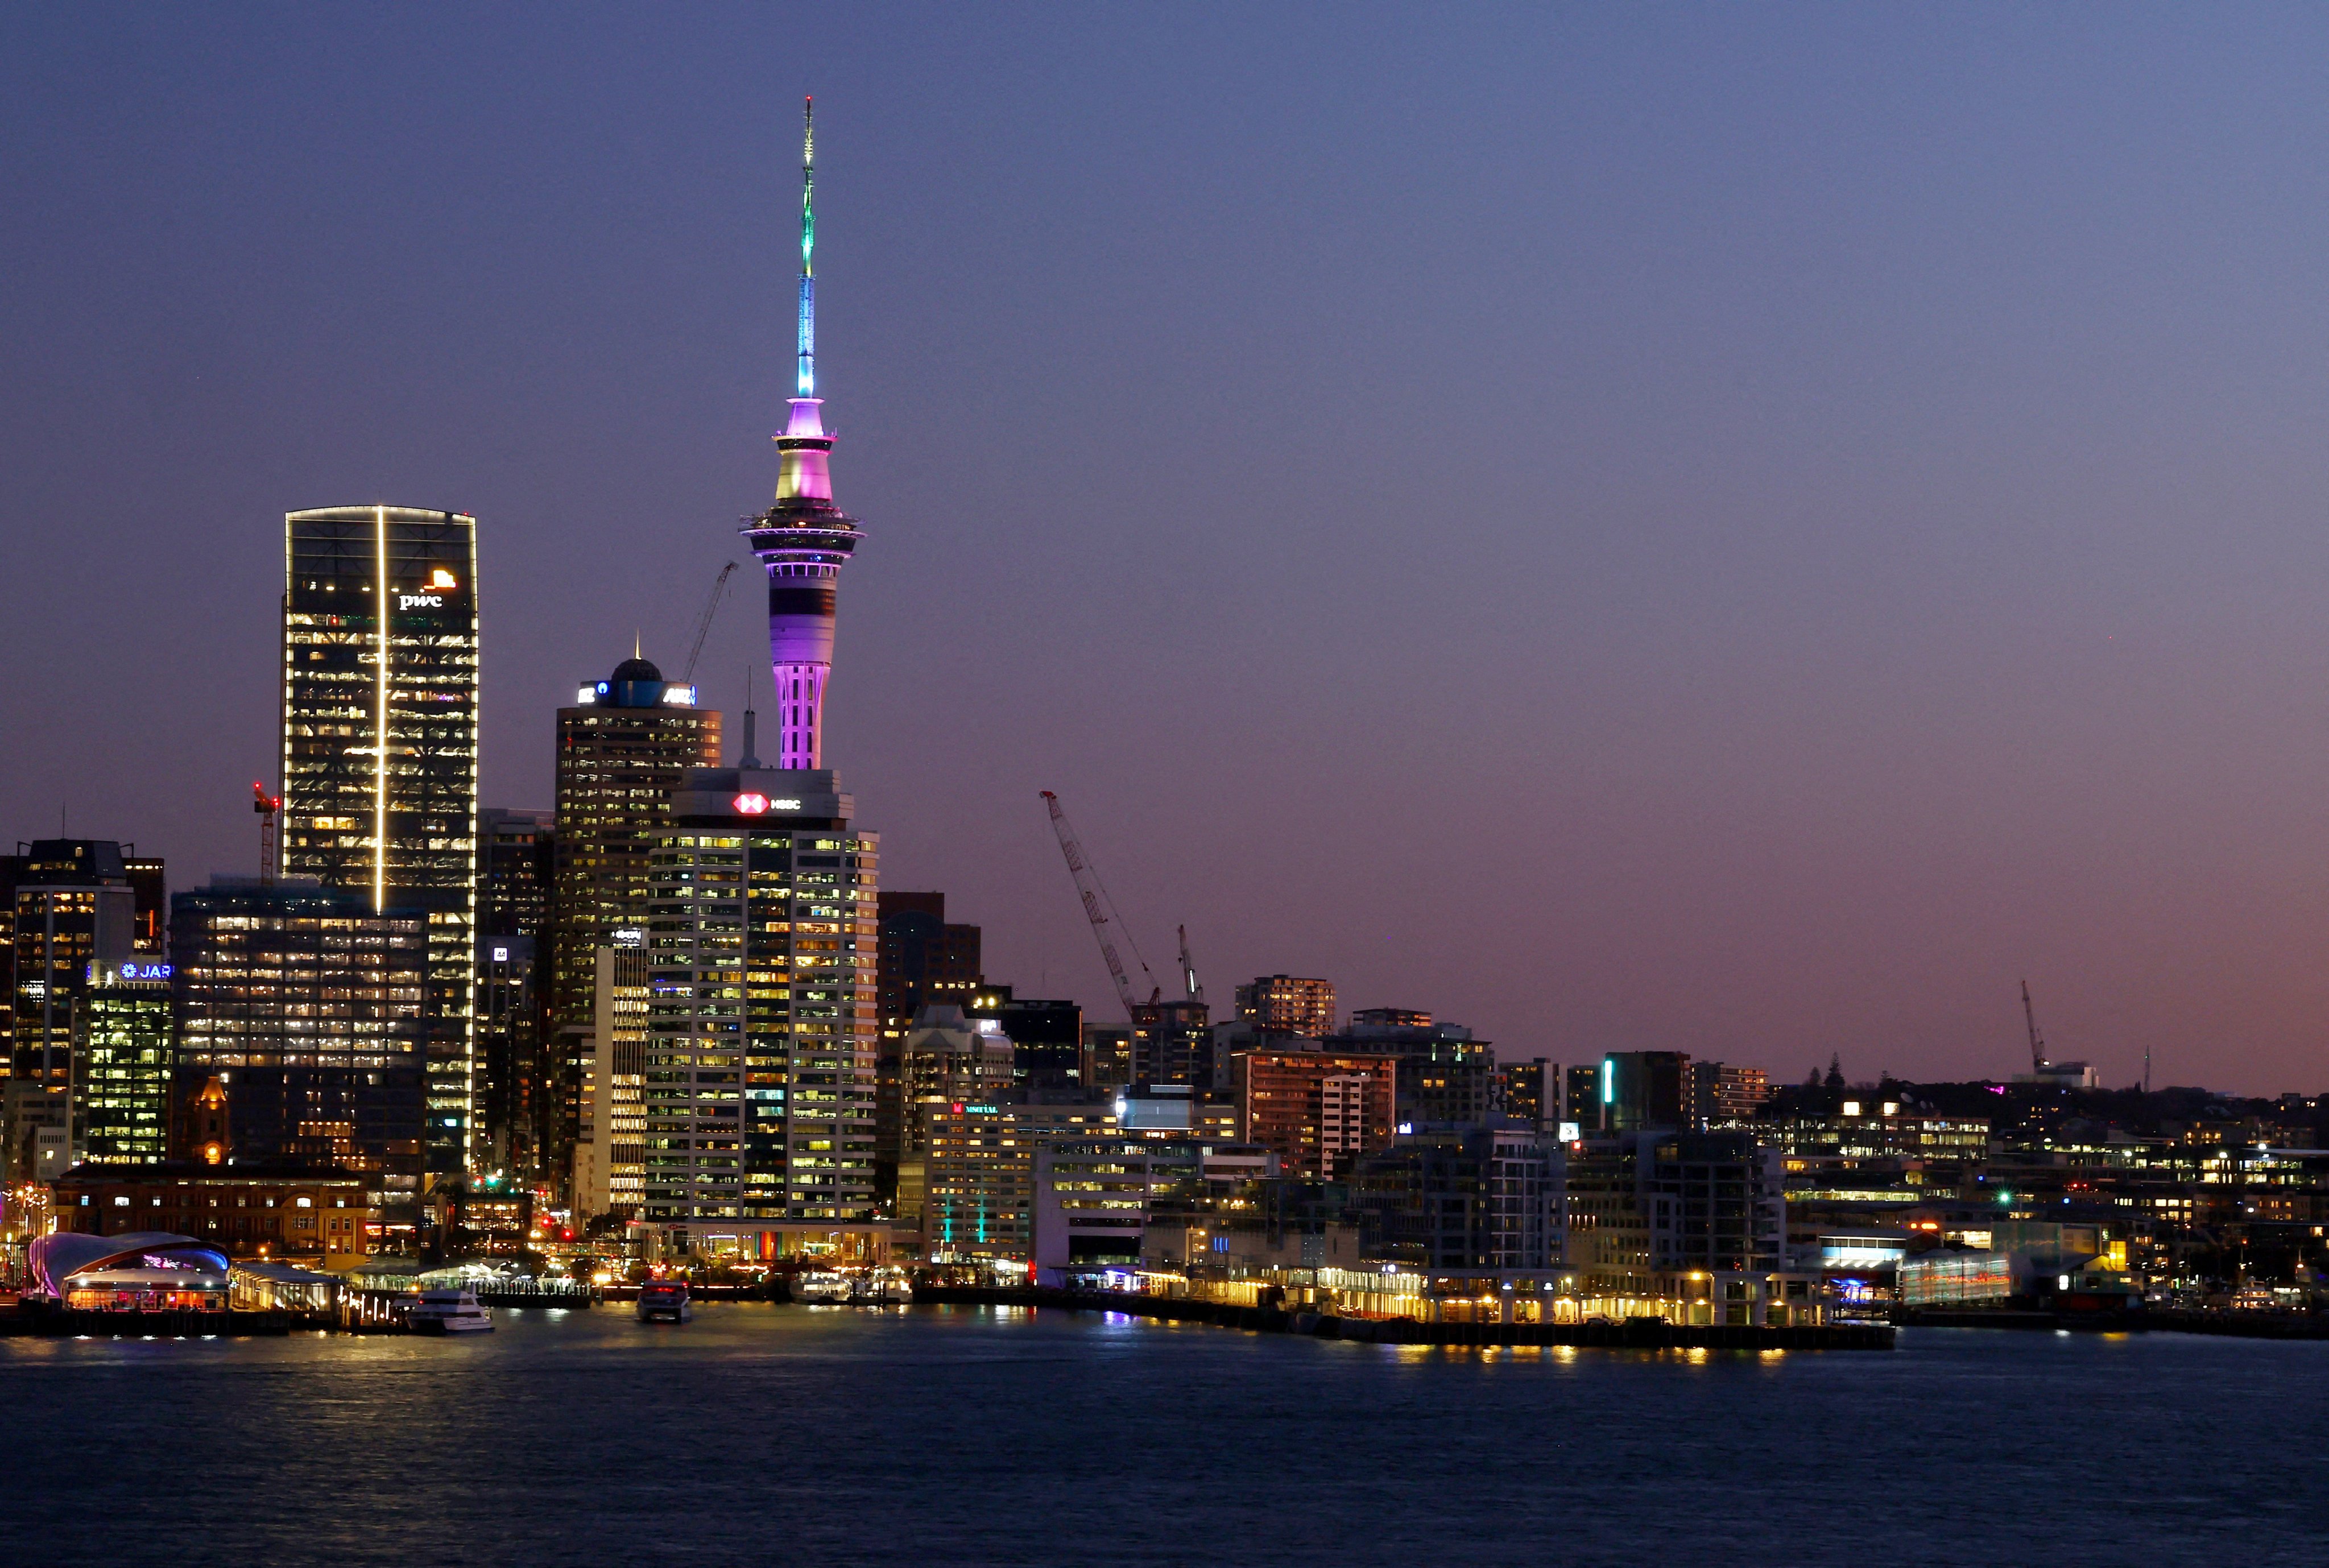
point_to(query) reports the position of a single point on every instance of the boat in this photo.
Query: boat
(451, 1312)
(888, 1286)
(665, 1300)
(821, 1288)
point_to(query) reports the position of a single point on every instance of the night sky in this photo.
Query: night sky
(1747, 530)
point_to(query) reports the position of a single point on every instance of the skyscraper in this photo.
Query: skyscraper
(380, 752)
(623, 746)
(761, 1019)
(804, 540)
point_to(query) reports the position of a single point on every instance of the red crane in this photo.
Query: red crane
(267, 805)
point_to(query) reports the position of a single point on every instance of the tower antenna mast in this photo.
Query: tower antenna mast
(807, 380)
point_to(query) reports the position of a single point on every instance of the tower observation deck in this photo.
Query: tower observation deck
(804, 540)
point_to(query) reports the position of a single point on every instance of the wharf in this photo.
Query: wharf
(1634, 1334)
(2155, 1320)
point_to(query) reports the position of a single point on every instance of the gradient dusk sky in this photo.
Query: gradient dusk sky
(1738, 529)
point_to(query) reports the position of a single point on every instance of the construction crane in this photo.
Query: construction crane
(267, 805)
(703, 622)
(2038, 1062)
(1098, 908)
(1189, 982)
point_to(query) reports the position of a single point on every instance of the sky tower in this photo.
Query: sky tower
(804, 540)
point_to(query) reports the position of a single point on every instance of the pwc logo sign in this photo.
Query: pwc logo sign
(431, 595)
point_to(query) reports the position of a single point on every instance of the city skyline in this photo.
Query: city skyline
(1903, 582)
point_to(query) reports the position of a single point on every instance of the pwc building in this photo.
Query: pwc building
(380, 755)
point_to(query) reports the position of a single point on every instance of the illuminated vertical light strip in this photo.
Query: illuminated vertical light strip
(380, 728)
(476, 693)
(808, 246)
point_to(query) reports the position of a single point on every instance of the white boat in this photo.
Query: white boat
(819, 1286)
(665, 1300)
(451, 1312)
(890, 1286)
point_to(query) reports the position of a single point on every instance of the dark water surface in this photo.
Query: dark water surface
(942, 1436)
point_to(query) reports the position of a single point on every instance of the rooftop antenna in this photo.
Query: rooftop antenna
(751, 724)
(808, 247)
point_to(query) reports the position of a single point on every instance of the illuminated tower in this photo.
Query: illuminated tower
(804, 540)
(380, 754)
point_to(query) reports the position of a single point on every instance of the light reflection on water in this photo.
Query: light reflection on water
(958, 1435)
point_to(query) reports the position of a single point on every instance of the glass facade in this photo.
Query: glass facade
(121, 1068)
(313, 1009)
(380, 752)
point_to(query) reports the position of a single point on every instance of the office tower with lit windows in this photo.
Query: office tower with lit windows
(626, 743)
(804, 540)
(1289, 1005)
(312, 1007)
(380, 754)
(75, 914)
(762, 1024)
(513, 876)
(122, 1061)
(609, 1148)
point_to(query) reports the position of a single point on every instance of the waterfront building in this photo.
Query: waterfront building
(75, 914)
(1317, 1110)
(623, 746)
(1471, 1198)
(1287, 1004)
(311, 1008)
(1644, 1208)
(762, 1029)
(123, 1057)
(284, 1210)
(610, 1150)
(1093, 1196)
(973, 1196)
(514, 875)
(380, 754)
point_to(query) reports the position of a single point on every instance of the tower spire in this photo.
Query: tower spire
(807, 383)
(804, 540)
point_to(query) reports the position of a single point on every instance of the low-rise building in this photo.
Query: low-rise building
(287, 1212)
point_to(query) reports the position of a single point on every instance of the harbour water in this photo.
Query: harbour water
(787, 1435)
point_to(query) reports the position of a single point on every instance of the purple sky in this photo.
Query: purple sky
(1743, 530)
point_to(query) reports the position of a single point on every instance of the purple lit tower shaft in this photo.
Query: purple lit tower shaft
(804, 540)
